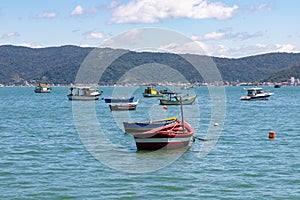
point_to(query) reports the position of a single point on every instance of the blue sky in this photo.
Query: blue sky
(225, 28)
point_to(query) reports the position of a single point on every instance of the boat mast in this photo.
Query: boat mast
(181, 109)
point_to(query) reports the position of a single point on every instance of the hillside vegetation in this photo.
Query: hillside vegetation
(60, 65)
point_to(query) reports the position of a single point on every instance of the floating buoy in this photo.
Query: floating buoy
(165, 107)
(216, 124)
(271, 135)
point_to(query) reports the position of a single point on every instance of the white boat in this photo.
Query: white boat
(83, 93)
(187, 87)
(256, 94)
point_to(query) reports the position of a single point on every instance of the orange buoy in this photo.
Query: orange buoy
(271, 135)
(165, 107)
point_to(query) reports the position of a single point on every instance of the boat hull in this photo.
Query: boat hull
(152, 95)
(121, 100)
(277, 86)
(162, 143)
(42, 90)
(185, 101)
(253, 98)
(121, 108)
(82, 98)
(168, 137)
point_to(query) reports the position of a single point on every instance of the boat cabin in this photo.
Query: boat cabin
(84, 91)
(254, 91)
(172, 95)
(150, 90)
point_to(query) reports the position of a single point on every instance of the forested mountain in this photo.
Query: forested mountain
(60, 65)
(256, 68)
(286, 74)
(53, 64)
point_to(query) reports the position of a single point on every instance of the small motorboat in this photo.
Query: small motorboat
(83, 94)
(123, 107)
(277, 85)
(138, 127)
(171, 98)
(152, 92)
(119, 100)
(42, 88)
(175, 135)
(187, 87)
(256, 94)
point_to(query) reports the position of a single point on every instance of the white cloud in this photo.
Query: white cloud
(128, 40)
(85, 45)
(77, 11)
(196, 47)
(220, 50)
(152, 11)
(226, 34)
(243, 51)
(93, 35)
(286, 48)
(214, 36)
(30, 45)
(46, 15)
(259, 8)
(9, 35)
(189, 47)
(263, 7)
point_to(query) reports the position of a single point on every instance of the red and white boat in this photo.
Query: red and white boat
(176, 135)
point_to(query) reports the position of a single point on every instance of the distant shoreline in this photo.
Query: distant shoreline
(158, 84)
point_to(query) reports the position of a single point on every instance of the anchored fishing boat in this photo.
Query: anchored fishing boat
(119, 100)
(83, 93)
(175, 135)
(42, 88)
(123, 107)
(138, 127)
(187, 87)
(171, 98)
(256, 94)
(152, 92)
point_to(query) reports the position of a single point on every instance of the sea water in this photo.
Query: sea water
(52, 148)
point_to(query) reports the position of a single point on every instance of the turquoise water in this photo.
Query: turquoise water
(47, 154)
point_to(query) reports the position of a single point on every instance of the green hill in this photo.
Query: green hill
(285, 75)
(256, 68)
(52, 65)
(60, 65)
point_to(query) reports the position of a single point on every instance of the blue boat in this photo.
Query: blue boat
(119, 100)
(138, 127)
